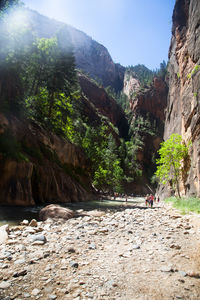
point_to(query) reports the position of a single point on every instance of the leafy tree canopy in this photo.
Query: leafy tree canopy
(170, 164)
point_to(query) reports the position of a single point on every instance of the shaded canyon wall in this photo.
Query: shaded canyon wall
(183, 108)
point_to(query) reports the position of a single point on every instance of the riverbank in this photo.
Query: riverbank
(126, 253)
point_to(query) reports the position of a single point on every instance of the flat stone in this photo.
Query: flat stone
(27, 295)
(52, 297)
(4, 285)
(182, 273)
(166, 269)
(38, 243)
(35, 292)
(39, 237)
(20, 261)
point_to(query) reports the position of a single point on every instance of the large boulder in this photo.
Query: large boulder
(54, 211)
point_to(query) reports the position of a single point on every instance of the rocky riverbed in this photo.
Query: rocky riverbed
(130, 253)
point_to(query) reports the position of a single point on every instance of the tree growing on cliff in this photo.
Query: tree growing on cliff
(170, 164)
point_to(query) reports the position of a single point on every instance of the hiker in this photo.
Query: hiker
(147, 199)
(151, 199)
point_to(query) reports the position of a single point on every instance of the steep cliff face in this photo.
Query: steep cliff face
(131, 85)
(183, 108)
(106, 105)
(91, 57)
(38, 167)
(152, 100)
(147, 105)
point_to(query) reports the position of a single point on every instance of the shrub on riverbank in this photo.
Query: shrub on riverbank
(186, 205)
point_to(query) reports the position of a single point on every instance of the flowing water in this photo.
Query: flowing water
(14, 215)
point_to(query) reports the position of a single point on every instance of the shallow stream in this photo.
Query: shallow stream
(14, 215)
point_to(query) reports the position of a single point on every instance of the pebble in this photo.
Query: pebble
(92, 246)
(33, 223)
(35, 292)
(136, 246)
(4, 285)
(73, 264)
(182, 273)
(38, 243)
(166, 269)
(52, 297)
(39, 237)
(66, 261)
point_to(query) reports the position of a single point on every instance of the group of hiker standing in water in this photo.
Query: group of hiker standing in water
(149, 200)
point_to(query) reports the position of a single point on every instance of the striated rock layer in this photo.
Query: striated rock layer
(38, 167)
(183, 108)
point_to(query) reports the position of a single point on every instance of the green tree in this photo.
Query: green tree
(170, 164)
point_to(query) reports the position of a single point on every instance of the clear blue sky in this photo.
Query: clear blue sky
(133, 31)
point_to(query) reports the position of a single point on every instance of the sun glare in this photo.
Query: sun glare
(17, 20)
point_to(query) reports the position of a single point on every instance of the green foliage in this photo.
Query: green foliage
(195, 94)
(170, 163)
(194, 71)
(101, 150)
(185, 205)
(142, 73)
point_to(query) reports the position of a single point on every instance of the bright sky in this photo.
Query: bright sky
(133, 31)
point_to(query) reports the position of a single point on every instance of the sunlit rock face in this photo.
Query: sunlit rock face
(131, 85)
(91, 57)
(152, 100)
(183, 108)
(42, 168)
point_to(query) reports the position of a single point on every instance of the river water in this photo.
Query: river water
(14, 215)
